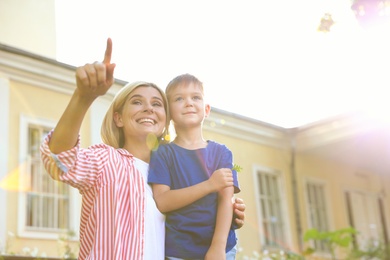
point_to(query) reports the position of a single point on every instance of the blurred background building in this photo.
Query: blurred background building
(327, 175)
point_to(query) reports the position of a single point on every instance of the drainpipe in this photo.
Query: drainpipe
(294, 185)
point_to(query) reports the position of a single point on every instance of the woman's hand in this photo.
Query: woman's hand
(94, 79)
(239, 212)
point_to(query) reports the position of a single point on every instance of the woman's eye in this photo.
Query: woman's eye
(157, 104)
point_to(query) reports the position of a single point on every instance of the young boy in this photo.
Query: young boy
(192, 180)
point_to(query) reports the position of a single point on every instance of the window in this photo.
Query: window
(45, 205)
(366, 214)
(317, 211)
(273, 224)
(47, 201)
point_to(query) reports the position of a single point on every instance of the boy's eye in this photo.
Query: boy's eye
(197, 98)
(178, 99)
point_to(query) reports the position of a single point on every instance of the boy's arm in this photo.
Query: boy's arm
(223, 223)
(168, 200)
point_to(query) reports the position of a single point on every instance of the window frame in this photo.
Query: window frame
(361, 239)
(287, 243)
(328, 207)
(74, 203)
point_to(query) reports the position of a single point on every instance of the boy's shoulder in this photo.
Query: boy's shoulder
(215, 145)
(166, 148)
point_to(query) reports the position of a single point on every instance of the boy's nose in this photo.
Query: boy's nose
(189, 102)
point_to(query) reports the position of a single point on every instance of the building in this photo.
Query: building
(327, 175)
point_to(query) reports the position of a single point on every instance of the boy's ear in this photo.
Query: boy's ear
(207, 110)
(118, 119)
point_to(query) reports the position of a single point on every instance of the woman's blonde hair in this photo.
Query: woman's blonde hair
(113, 135)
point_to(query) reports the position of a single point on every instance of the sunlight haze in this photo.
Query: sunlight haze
(260, 59)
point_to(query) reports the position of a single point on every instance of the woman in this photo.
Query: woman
(119, 218)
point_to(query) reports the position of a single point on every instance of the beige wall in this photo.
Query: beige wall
(30, 25)
(248, 155)
(37, 102)
(339, 178)
(46, 98)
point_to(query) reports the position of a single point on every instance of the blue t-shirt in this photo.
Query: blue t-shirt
(189, 230)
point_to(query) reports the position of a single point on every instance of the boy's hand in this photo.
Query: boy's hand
(221, 179)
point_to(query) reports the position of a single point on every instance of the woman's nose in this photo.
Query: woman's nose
(149, 108)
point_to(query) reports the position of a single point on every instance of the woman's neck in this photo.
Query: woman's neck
(139, 150)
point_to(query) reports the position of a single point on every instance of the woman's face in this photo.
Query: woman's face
(143, 113)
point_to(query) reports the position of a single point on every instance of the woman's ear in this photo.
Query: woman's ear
(118, 119)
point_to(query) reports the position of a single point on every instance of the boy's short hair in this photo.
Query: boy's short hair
(184, 79)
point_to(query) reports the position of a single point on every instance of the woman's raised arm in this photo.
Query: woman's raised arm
(93, 80)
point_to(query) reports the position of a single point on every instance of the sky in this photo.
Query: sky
(264, 60)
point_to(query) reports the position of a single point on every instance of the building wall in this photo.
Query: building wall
(31, 85)
(38, 87)
(4, 144)
(33, 102)
(340, 177)
(251, 154)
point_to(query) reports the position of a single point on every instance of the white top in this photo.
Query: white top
(154, 220)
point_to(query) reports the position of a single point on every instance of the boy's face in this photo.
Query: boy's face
(187, 106)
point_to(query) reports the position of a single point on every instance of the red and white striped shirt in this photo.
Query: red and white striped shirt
(113, 198)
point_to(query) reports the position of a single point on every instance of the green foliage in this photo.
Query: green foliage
(342, 238)
(65, 242)
(237, 168)
(267, 255)
(333, 239)
(374, 250)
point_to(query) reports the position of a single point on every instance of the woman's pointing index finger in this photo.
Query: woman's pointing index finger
(107, 54)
